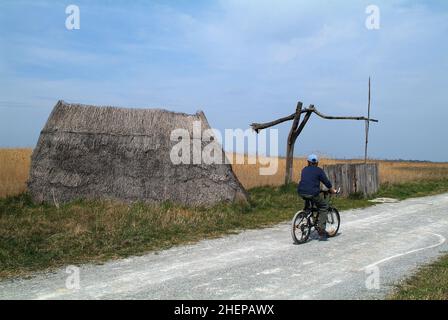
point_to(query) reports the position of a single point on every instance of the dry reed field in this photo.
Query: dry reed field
(390, 171)
(14, 168)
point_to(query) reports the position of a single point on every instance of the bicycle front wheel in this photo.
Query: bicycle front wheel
(301, 228)
(333, 222)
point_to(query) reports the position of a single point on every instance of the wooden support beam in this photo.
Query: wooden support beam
(342, 118)
(257, 127)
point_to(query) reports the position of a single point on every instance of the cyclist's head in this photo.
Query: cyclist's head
(313, 160)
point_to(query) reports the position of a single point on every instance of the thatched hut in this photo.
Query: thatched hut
(89, 152)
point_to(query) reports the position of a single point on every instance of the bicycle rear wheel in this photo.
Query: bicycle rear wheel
(333, 222)
(301, 228)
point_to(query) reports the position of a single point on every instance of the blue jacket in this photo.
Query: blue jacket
(310, 181)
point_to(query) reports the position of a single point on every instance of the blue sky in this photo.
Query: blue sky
(239, 61)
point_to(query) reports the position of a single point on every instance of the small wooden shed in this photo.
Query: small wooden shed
(354, 177)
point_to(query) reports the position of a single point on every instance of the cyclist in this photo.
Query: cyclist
(309, 189)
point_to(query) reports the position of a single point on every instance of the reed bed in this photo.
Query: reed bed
(14, 170)
(392, 172)
(15, 163)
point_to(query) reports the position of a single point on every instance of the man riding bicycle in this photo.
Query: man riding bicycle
(309, 189)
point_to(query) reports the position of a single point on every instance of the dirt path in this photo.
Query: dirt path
(377, 246)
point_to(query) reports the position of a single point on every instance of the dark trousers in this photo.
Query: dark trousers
(322, 206)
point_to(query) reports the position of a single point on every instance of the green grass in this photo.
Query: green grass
(38, 237)
(429, 283)
(413, 189)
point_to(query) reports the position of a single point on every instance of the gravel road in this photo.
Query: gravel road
(376, 248)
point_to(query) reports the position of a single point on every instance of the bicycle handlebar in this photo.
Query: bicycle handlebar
(338, 191)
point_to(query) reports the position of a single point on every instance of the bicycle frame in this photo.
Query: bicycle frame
(312, 211)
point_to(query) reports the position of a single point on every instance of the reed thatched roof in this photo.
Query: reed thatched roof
(124, 154)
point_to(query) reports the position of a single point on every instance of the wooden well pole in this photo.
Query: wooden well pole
(297, 128)
(367, 127)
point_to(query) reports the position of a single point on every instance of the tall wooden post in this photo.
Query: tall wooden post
(290, 144)
(367, 126)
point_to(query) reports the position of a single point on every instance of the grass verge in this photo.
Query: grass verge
(38, 237)
(413, 189)
(429, 283)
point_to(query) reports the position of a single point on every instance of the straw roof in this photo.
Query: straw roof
(89, 152)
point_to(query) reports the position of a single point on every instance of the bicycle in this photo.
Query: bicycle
(306, 219)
